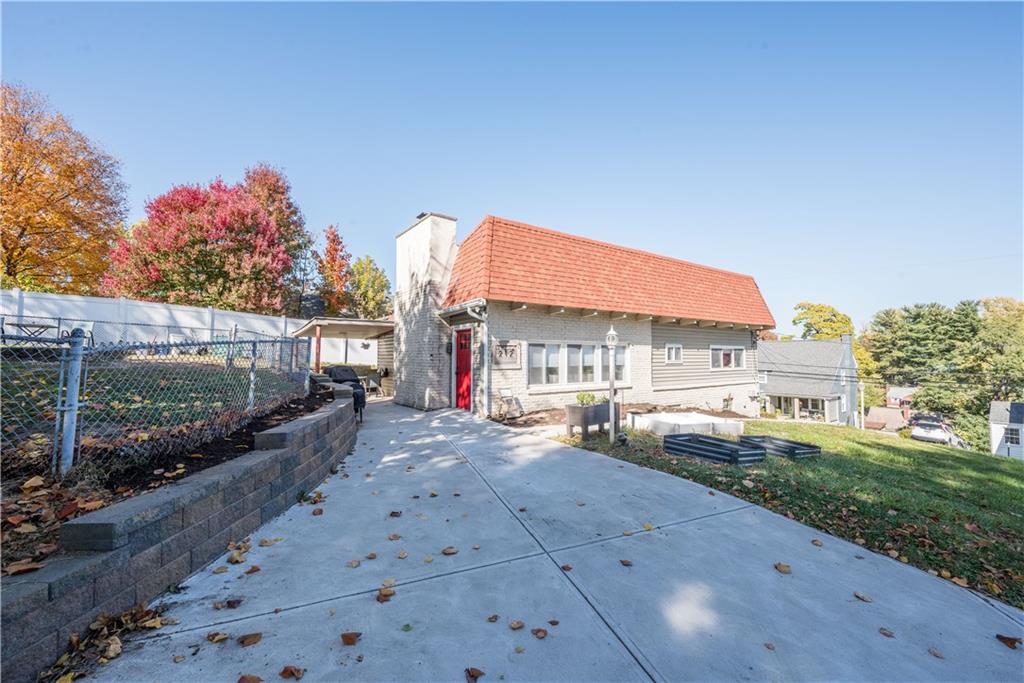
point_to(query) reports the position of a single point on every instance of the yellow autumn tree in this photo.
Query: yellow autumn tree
(61, 199)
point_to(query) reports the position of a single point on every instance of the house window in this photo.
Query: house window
(764, 377)
(571, 363)
(723, 357)
(588, 363)
(673, 353)
(573, 355)
(544, 363)
(1013, 436)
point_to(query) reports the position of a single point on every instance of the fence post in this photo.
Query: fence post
(229, 359)
(252, 378)
(67, 439)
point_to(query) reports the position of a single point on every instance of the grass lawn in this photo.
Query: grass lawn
(957, 514)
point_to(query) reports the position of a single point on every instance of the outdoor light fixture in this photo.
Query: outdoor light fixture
(612, 338)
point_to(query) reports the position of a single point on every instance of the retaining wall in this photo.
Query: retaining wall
(132, 551)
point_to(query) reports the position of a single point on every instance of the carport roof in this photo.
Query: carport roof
(351, 328)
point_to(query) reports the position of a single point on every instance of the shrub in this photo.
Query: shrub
(585, 398)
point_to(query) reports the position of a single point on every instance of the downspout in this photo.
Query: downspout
(480, 313)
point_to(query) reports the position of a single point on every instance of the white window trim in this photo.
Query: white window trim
(729, 347)
(600, 371)
(842, 403)
(673, 345)
(1006, 436)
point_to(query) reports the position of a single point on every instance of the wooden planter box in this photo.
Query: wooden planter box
(584, 416)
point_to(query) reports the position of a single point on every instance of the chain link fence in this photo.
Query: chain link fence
(73, 409)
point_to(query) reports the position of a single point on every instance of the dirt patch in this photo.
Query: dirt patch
(556, 416)
(33, 508)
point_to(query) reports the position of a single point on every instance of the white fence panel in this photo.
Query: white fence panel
(146, 321)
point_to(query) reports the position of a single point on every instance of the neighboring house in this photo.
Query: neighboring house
(1006, 428)
(899, 397)
(809, 379)
(886, 419)
(523, 311)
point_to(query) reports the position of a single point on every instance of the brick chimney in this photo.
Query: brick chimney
(425, 254)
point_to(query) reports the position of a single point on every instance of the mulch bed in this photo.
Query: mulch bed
(33, 508)
(556, 416)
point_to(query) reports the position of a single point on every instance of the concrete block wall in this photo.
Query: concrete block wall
(132, 551)
(536, 325)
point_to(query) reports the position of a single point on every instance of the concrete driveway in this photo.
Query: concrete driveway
(701, 599)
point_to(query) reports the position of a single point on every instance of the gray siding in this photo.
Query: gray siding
(695, 370)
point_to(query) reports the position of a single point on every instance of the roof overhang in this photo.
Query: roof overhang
(348, 328)
(573, 311)
(461, 308)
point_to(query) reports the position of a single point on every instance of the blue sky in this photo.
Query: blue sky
(863, 155)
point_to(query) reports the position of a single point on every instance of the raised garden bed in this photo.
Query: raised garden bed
(713, 449)
(785, 448)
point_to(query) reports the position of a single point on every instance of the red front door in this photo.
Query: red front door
(463, 368)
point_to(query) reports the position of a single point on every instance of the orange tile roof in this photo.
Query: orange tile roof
(503, 260)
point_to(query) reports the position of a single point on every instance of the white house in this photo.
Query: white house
(1005, 425)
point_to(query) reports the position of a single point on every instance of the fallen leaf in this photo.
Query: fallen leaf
(817, 542)
(886, 632)
(249, 678)
(253, 569)
(493, 618)
(220, 570)
(250, 639)
(520, 649)
(472, 674)
(783, 568)
(450, 550)
(406, 627)
(935, 653)
(22, 567)
(155, 622)
(539, 633)
(648, 526)
(350, 637)
(626, 563)
(388, 582)
(627, 533)
(396, 513)
(516, 625)
(113, 647)
(178, 659)
(892, 553)
(33, 483)
(769, 646)
(394, 537)
(960, 581)
(236, 557)
(267, 542)
(196, 456)
(476, 546)
(973, 528)
(433, 494)
(217, 637)
(522, 509)
(566, 567)
(386, 591)
(317, 512)
(428, 559)
(371, 556)
(749, 484)
(353, 563)
(292, 672)
(553, 622)
(862, 597)
(1009, 641)
(402, 555)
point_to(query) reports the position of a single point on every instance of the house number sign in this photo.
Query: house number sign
(505, 355)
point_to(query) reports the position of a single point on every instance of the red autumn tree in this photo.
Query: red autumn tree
(334, 270)
(271, 189)
(203, 246)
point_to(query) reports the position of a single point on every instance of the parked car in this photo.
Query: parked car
(936, 432)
